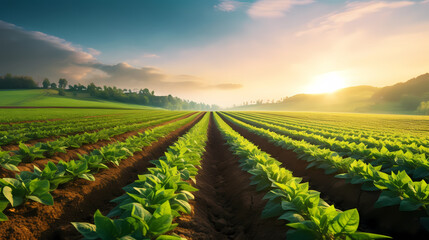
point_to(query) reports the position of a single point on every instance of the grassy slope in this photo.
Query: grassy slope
(50, 98)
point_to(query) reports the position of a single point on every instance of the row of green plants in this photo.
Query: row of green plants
(396, 188)
(392, 144)
(26, 154)
(378, 132)
(290, 199)
(416, 165)
(23, 135)
(386, 126)
(49, 125)
(57, 122)
(37, 185)
(147, 209)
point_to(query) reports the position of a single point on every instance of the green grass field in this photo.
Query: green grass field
(50, 98)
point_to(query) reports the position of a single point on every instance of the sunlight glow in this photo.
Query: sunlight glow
(327, 83)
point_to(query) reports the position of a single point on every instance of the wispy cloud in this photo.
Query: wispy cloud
(187, 81)
(228, 5)
(93, 51)
(273, 8)
(352, 12)
(150, 55)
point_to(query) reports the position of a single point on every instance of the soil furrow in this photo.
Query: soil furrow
(84, 149)
(386, 220)
(78, 200)
(226, 205)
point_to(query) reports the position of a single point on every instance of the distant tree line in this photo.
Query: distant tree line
(16, 82)
(141, 97)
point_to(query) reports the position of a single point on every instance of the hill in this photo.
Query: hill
(50, 98)
(401, 98)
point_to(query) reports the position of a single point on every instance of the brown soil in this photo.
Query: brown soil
(84, 149)
(78, 200)
(387, 220)
(226, 205)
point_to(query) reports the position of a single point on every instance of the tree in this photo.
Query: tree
(53, 85)
(62, 83)
(16, 82)
(61, 92)
(46, 83)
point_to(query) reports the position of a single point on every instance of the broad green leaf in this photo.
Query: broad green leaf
(161, 224)
(104, 226)
(45, 198)
(86, 229)
(346, 222)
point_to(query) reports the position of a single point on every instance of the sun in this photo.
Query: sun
(327, 83)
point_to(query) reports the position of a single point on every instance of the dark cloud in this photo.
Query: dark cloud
(125, 74)
(40, 55)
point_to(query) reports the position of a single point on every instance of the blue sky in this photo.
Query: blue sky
(122, 27)
(217, 51)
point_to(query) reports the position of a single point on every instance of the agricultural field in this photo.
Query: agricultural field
(157, 174)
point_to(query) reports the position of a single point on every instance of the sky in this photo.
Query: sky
(220, 52)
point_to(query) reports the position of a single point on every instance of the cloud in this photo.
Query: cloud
(228, 5)
(190, 81)
(352, 12)
(93, 51)
(126, 75)
(273, 8)
(150, 55)
(40, 55)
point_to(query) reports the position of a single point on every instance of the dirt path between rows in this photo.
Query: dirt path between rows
(226, 205)
(84, 149)
(78, 200)
(387, 220)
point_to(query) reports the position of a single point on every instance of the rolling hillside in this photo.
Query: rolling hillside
(403, 98)
(50, 98)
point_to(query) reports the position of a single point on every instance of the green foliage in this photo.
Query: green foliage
(291, 200)
(397, 188)
(29, 153)
(16, 82)
(147, 209)
(37, 184)
(9, 162)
